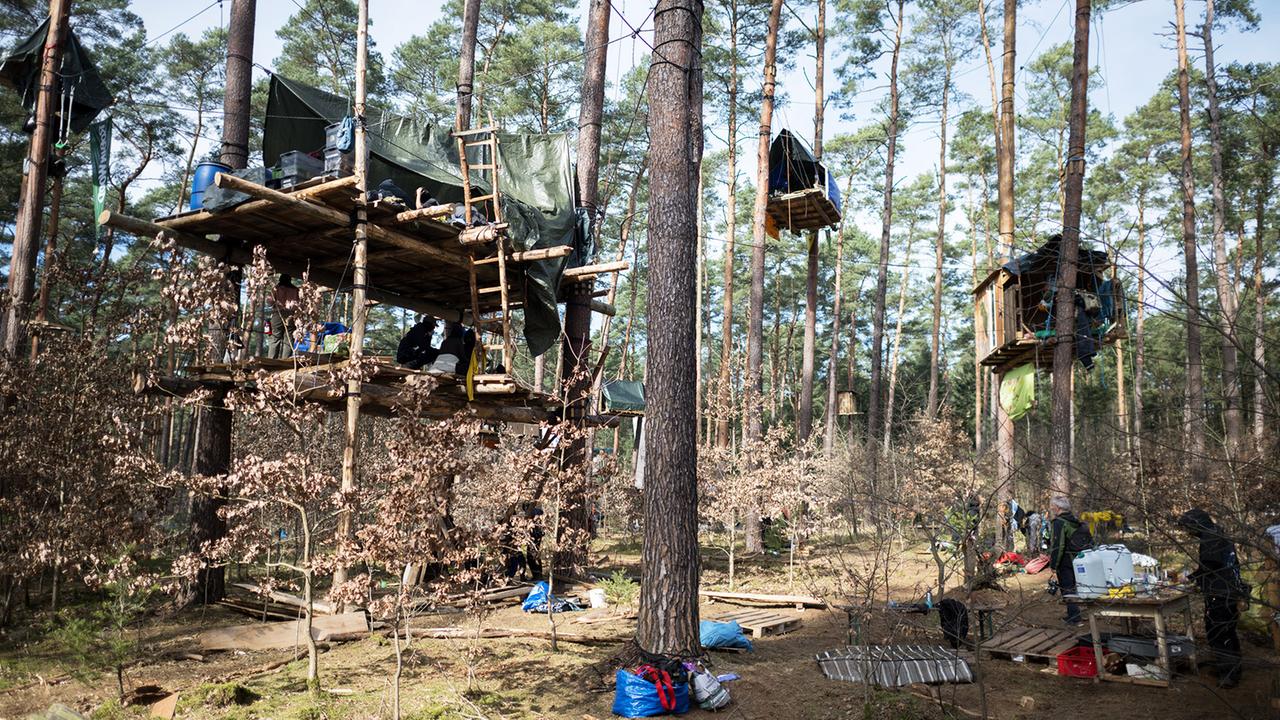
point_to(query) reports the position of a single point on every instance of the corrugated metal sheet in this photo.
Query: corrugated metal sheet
(895, 665)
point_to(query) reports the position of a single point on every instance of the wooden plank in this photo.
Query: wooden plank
(763, 598)
(320, 607)
(277, 635)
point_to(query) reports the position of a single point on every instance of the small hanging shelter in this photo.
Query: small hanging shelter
(1013, 308)
(82, 88)
(803, 195)
(622, 397)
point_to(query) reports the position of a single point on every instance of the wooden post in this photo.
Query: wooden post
(26, 233)
(1064, 307)
(360, 279)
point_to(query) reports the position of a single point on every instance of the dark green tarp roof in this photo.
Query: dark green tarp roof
(624, 397)
(535, 177)
(21, 72)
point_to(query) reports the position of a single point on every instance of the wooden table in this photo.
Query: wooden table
(1159, 610)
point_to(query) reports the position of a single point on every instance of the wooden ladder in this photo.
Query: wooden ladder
(488, 205)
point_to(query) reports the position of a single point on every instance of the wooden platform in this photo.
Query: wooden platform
(1034, 644)
(809, 209)
(761, 623)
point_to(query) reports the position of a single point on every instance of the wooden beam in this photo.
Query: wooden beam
(237, 255)
(597, 269)
(426, 213)
(339, 218)
(481, 234)
(603, 308)
(550, 253)
(253, 206)
(764, 598)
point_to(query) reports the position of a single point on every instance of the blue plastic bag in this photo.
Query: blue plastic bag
(536, 600)
(637, 697)
(723, 635)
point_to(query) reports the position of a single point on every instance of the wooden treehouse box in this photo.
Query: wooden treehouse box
(803, 195)
(1013, 309)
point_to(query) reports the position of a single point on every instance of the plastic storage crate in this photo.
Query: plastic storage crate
(1078, 662)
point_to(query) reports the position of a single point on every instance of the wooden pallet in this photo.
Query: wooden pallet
(1039, 644)
(762, 622)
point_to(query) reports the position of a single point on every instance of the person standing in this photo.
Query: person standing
(284, 303)
(1218, 578)
(1067, 536)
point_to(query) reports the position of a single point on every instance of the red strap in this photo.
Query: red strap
(666, 695)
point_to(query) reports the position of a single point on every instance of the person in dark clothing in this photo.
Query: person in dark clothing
(415, 349)
(1067, 536)
(453, 350)
(1218, 577)
(468, 348)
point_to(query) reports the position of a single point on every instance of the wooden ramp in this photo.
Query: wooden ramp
(761, 623)
(1038, 644)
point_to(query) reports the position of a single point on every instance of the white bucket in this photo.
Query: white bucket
(596, 597)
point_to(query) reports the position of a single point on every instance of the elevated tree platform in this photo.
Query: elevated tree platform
(386, 391)
(809, 209)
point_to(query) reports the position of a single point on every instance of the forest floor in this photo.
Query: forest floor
(522, 678)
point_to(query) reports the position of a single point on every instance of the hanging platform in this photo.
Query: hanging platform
(809, 209)
(803, 195)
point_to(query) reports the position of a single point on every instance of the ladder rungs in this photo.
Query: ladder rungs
(483, 166)
(480, 143)
(482, 198)
(490, 290)
(473, 131)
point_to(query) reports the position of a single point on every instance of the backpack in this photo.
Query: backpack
(1078, 537)
(707, 690)
(954, 618)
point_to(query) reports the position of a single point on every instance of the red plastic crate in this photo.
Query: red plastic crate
(1078, 662)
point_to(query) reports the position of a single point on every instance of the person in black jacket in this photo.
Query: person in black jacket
(415, 349)
(1218, 578)
(1067, 536)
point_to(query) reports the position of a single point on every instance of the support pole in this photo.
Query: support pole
(26, 234)
(360, 274)
(50, 245)
(1004, 184)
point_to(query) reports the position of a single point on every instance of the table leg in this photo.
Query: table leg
(1097, 646)
(1162, 646)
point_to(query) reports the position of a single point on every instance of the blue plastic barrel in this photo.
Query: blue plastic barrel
(203, 178)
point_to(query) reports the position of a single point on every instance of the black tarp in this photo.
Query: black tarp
(792, 167)
(535, 177)
(21, 72)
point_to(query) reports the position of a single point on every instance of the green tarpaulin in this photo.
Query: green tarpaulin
(623, 397)
(535, 177)
(21, 72)
(1018, 391)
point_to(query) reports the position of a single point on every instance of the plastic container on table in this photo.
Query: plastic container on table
(202, 179)
(1078, 662)
(1091, 579)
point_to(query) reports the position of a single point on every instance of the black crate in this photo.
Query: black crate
(331, 135)
(339, 163)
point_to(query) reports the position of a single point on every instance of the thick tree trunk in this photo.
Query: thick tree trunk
(1228, 301)
(467, 63)
(214, 427)
(1193, 417)
(754, 406)
(804, 409)
(1064, 307)
(882, 269)
(26, 232)
(668, 617)
(1005, 153)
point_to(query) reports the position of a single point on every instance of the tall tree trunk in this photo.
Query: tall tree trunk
(467, 63)
(1005, 154)
(804, 410)
(360, 279)
(985, 38)
(50, 246)
(1140, 352)
(979, 329)
(897, 339)
(882, 270)
(1228, 301)
(940, 245)
(833, 358)
(1064, 307)
(215, 422)
(722, 387)
(699, 263)
(1193, 416)
(26, 232)
(1260, 319)
(668, 618)
(575, 349)
(754, 406)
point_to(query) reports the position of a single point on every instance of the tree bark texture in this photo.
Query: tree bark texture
(724, 397)
(1064, 307)
(467, 63)
(668, 615)
(1228, 300)
(239, 87)
(940, 245)
(804, 411)
(1194, 411)
(26, 232)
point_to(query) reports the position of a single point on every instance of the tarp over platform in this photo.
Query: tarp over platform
(535, 176)
(21, 71)
(792, 167)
